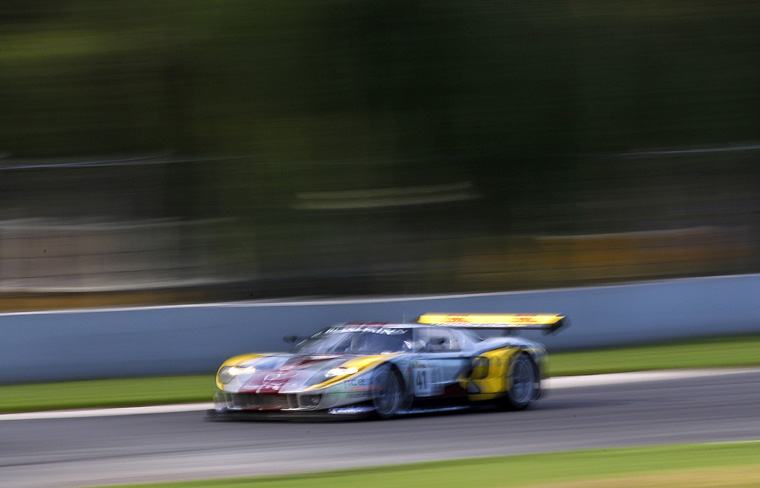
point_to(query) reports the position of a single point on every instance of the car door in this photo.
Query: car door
(438, 364)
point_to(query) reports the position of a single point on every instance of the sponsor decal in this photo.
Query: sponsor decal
(495, 321)
(278, 376)
(350, 410)
(346, 395)
(366, 328)
(457, 320)
(354, 385)
(269, 381)
(357, 383)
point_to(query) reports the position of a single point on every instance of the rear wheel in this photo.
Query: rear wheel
(524, 383)
(388, 394)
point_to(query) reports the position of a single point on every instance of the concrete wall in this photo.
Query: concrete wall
(195, 339)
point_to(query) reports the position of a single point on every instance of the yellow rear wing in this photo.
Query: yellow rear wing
(547, 322)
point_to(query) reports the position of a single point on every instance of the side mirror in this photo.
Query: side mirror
(292, 339)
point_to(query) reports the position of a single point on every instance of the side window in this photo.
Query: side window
(437, 340)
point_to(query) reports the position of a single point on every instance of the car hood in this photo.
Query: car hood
(287, 373)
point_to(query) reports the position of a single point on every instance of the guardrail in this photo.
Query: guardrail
(49, 346)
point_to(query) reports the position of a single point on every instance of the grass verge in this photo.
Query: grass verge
(715, 352)
(693, 465)
(121, 392)
(721, 352)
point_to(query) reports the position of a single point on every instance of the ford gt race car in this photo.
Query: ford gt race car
(443, 361)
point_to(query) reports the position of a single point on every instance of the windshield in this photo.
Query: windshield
(357, 340)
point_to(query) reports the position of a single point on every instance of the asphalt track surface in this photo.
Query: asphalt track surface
(86, 451)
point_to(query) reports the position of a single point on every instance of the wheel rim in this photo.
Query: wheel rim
(523, 381)
(387, 394)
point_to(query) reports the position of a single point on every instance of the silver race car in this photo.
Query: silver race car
(443, 361)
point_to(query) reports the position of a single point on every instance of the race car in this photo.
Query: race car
(439, 362)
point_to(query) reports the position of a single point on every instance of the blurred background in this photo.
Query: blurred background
(184, 151)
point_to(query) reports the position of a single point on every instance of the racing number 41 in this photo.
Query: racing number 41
(426, 381)
(421, 380)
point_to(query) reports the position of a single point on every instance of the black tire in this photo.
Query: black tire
(388, 396)
(524, 383)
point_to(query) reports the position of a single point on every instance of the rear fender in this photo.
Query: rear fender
(492, 382)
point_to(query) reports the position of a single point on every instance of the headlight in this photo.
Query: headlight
(341, 371)
(228, 373)
(311, 400)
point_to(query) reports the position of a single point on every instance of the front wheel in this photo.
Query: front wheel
(388, 392)
(524, 383)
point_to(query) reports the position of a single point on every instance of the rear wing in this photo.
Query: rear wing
(547, 322)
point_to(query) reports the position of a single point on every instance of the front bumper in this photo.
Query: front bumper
(332, 414)
(310, 405)
(224, 400)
